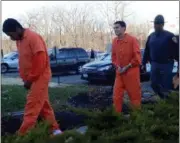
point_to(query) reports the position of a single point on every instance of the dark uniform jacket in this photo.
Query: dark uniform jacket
(160, 48)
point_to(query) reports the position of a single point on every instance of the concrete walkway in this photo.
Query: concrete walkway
(18, 81)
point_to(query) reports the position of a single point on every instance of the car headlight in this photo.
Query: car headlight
(105, 68)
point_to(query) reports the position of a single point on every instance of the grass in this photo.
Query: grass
(13, 97)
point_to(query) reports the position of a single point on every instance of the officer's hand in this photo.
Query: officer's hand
(176, 81)
(177, 73)
(143, 68)
(27, 85)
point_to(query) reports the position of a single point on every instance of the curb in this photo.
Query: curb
(18, 81)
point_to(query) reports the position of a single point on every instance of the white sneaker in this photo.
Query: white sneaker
(57, 132)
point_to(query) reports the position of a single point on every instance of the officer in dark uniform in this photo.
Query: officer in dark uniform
(160, 52)
(176, 77)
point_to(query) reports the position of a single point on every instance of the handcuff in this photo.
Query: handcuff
(129, 65)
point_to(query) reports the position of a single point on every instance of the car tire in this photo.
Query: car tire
(4, 68)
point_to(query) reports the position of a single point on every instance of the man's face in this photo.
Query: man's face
(17, 35)
(158, 27)
(13, 36)
(118, 29)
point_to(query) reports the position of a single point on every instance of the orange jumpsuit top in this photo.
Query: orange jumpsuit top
(126, 51)
(33, 57)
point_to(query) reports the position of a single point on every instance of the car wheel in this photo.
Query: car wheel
(4, 68)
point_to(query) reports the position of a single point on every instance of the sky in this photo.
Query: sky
(144, 10)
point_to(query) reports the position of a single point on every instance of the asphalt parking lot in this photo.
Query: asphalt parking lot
(71, 78)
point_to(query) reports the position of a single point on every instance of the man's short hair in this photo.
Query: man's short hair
(121, 23)
(10, 25)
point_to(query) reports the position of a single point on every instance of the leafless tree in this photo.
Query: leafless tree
(78, 26)
(113, 11)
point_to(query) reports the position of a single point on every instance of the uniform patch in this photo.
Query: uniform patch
(174, 39)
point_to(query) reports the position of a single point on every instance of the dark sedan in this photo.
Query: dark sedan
(102, 70)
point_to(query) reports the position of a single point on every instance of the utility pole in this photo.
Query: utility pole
(2, 54)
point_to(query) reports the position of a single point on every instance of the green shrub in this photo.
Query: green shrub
(158, 123)
(13, 97)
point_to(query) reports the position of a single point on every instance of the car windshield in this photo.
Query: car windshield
(50, 51)
(106, 57)
(9, 55)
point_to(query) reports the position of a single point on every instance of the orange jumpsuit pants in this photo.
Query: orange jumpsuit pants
(34, 67)
(38, 105)
(126, 51)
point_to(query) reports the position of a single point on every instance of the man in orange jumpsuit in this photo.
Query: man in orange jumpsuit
(126, 57)
(34, 68)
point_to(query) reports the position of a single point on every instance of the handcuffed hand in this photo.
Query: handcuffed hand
(143, 68)
(27, 85)
(124, 69)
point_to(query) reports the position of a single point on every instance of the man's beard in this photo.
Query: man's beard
(118, 34)
(20, 35)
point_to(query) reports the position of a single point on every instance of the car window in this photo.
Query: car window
(62, 54)
(15, 56)
(50, 51)
(81, 53)
(107, 57)
(9, 55)
(71, 54)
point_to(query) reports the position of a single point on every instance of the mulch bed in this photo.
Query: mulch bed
(99, 99)
(66, 119)
(102, 99)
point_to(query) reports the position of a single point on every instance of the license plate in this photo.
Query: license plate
(85, 75)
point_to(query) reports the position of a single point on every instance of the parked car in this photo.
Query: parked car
(68, 59)
(97, 54)
(100, 55)
(103, 70)
(9, 61)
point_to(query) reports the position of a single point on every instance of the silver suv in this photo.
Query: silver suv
(9, 61)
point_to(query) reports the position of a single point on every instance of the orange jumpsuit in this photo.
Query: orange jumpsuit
(124, 52)
(34, 67)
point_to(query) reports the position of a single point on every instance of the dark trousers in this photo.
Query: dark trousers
(161, 78)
